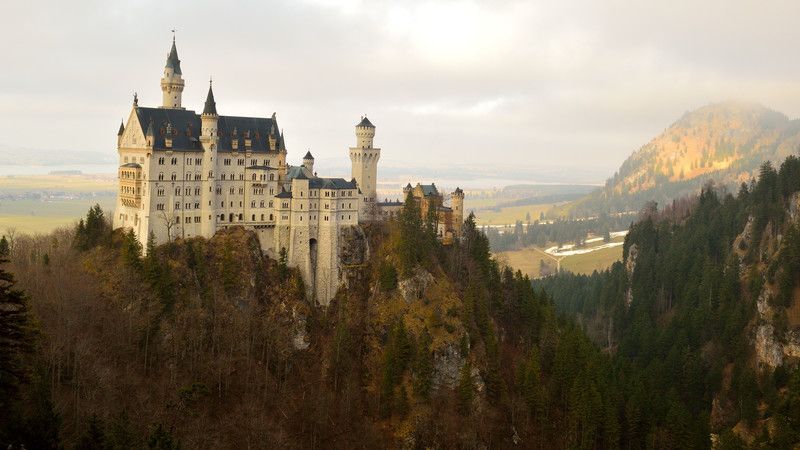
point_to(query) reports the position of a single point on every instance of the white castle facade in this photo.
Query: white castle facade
(183, 174)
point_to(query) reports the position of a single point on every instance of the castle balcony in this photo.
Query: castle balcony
(130, 185)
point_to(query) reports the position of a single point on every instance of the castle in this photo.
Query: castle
(184, 174)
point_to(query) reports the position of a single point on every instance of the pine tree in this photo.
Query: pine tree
(4, 247)
(423, 367)
(17, 334)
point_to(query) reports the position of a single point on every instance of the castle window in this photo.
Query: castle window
(197, 177)
(188, 176)
(253, 204)
(196, 219)
(240, 161)
(270, 203)
(241, 176)
(253, 177)
(210, 174)
(241, 191)
(177, 205)
(262, 204)
(262, 217)
(198, 161)
(160, 161)
(222, 217)
(253, 162)
(232, 190)
(241, 216)
(188, 191)
(196, 205)
(160, 177)
(174, 161)
(196, 191)
(174, 176)
(160, 192)
(271, 177)
(177, 191)
(188, 206)
(254, 218)
(160, 206)
(219, 190)
(226, 162)
(189, 161)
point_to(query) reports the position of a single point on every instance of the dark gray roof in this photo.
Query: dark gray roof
(172, 59)
(429, 189)
(365, 123)
(284, 194)
(132, 165)
(121, 128)
(308, 155)
(210, 106)
(331, 183)
(186, 127)
(261, 168)
(391, 203)
(293, 172)
(458, 191)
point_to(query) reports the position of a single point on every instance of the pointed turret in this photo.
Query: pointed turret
(172, 59)
(210, 107)
(120, 133)
(308, 162)
(209, 119)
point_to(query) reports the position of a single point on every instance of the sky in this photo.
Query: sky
(564, 86)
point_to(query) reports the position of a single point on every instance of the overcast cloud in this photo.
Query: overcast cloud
(539, 84)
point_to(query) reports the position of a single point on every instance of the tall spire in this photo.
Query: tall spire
(211, 105)
(172, 58)
(121, 128)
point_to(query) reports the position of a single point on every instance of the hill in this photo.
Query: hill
(704, 310)
(724, 142)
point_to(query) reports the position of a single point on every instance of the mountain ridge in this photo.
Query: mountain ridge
(724, 142)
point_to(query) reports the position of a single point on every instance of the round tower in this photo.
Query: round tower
(172, 83)
(364, 159)
(457, 204)
(365, 133)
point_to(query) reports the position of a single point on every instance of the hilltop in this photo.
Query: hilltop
(724, 142)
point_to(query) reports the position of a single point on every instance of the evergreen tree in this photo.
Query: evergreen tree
(465, 389)
(17, 335)
(5, 249)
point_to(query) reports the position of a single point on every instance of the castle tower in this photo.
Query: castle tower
(364, 159)
(457, 204)
(308, 162)
(209, 139)
(172, 83)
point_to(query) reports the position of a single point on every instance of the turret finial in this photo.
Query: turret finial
(135, 100)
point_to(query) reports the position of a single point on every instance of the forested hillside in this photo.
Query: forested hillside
(724, 142)
(703, 312)
(209, 344)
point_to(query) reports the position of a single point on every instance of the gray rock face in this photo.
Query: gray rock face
(630, 266)
(447, 365)
(414, 287)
